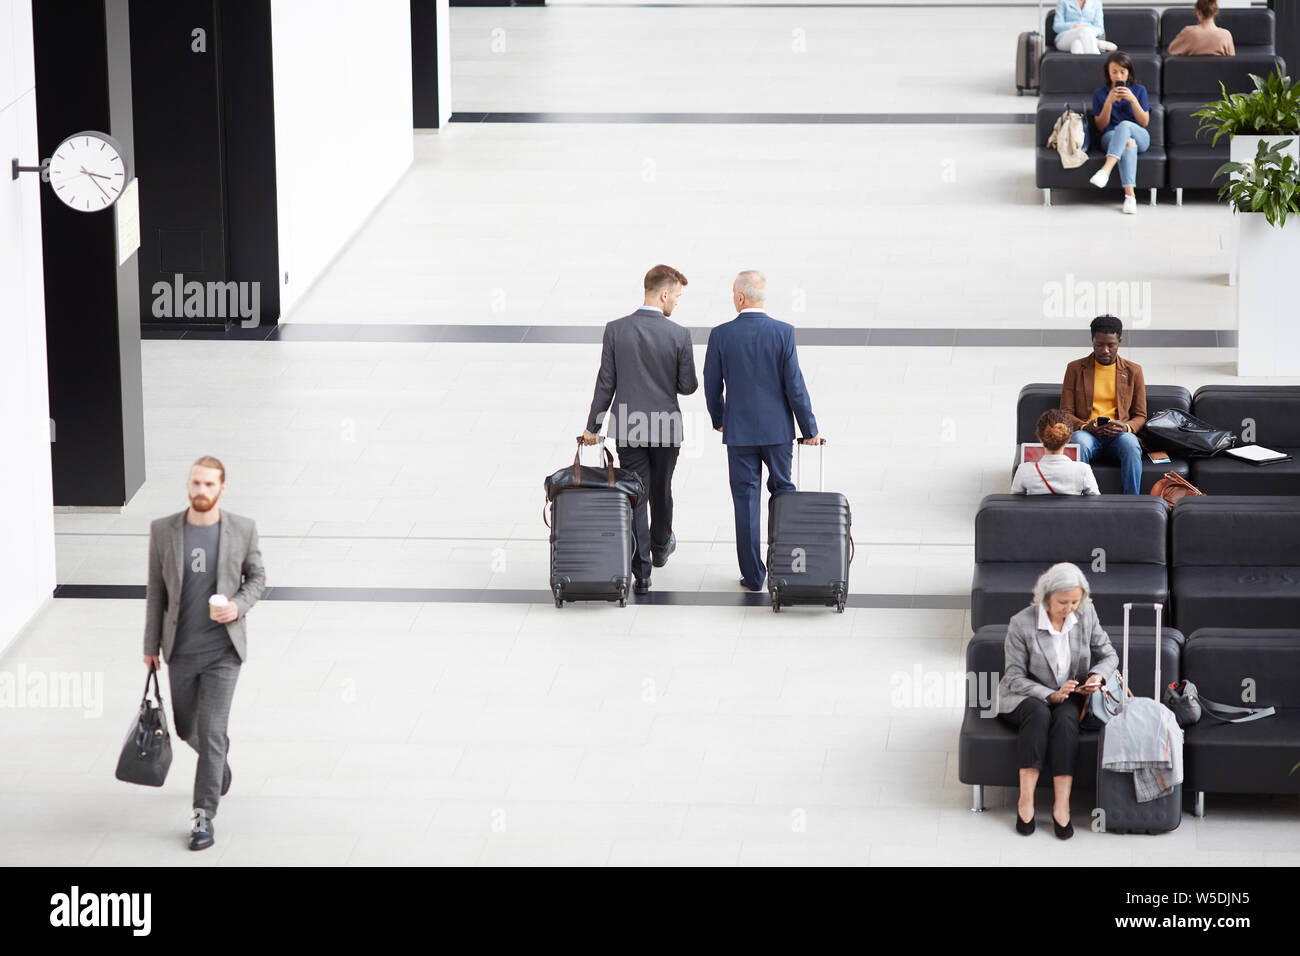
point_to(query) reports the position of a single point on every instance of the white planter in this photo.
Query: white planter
(1242, 149)
(1268, 315)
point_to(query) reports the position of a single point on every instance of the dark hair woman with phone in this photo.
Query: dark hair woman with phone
(1120, 112)
(1054, 473)
(1056, 654)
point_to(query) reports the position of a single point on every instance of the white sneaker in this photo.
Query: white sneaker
(1105, 46)
(1130, 206)
(1100, 178)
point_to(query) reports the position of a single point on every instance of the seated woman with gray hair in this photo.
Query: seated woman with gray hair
(1056, 655)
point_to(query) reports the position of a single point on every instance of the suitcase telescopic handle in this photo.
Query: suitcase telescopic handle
(1159, 609)
(798, 465)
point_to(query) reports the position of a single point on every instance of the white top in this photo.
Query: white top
(642, 308)
(1060, 642)
(753, 309)
(1066, 477)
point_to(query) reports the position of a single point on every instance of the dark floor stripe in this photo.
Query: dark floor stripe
(136, 592)
(904, 5)
(1058, 336)
(751, 119)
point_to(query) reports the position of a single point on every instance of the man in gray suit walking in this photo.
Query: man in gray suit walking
(205, 572)
(646, 361)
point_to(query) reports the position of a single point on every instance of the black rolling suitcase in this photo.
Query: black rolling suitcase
(1115, 793)
(809, 544)
(591, 531)
(1029, 51)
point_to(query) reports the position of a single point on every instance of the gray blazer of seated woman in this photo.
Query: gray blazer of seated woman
(1056, 655)
(1055, 473)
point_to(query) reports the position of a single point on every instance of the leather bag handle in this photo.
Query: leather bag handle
(607, 458)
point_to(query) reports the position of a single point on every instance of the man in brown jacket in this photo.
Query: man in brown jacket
(1106, 399)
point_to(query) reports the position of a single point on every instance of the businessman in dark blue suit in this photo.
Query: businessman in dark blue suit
(755, 392)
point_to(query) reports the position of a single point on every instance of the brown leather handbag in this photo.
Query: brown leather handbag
(1173, 487)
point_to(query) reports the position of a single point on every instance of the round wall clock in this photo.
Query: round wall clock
(88, 171)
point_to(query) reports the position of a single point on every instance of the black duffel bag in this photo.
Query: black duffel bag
(1177, 432)
(604, 476)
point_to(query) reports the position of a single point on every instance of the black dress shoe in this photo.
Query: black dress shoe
(662, 558)
(225, 780)
(745, 584)
(1063, 832)
(201, 835)
(1023, 828)
(642, 586)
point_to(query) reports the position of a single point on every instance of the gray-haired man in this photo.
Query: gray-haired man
(205, 572)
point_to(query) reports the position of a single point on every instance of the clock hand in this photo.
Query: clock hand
(101, 189)
(98, 175)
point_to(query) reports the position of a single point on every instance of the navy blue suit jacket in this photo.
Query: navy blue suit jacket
(752, 360)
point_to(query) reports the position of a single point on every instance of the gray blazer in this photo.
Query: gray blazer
(646, 361)
(1027, 670)
(240, 576)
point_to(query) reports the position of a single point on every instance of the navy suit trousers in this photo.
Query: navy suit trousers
(745, 465)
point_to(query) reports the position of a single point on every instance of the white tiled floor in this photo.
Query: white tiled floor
(514, 733)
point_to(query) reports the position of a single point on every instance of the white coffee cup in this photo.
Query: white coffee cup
(215, 602)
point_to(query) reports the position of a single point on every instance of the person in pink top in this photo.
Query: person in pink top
(1203, 39)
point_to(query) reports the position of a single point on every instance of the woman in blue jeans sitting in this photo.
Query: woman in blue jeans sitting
(1120, 111)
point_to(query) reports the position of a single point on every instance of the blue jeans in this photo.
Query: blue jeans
(1113, 142)
(745, 465)
(1124, 446)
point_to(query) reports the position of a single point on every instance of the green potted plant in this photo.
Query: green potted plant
(1270, 112)
(1266, 194)
(1269, 184)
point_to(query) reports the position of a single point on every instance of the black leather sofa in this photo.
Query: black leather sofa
(1275, 412)
(1040, 396)
(1254, 757)
(1253, 30)
(1189, 83)
(1018, 537)
(986, 748)
(1234, 561)
(1049, 174)
(1135, 31)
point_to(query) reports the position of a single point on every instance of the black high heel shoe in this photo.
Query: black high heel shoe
(1023, 828)
(1063, 832)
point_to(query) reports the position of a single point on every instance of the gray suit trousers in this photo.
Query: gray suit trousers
(203, 687)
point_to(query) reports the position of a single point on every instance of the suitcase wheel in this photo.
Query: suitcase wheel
(559, 601)
(776, 603)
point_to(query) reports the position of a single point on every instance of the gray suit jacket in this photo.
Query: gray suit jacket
(646, 361)
(240, 576)
(1027, 670)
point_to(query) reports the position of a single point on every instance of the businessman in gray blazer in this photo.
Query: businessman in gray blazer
(197, 557)
(1056, 654)
(646, 361)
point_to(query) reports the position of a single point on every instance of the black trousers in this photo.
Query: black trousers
(1049, 734)
(652, 521)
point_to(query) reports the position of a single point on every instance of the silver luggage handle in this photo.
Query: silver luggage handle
(1128, 606)
(798, 465)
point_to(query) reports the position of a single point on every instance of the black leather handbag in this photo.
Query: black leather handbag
(605, 476)
(1177, 432)
(147, 753)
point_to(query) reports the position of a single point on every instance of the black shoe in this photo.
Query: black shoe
(1063, 832)
(201, 831)
(225, 780)
(662, 558)
(642, 586)
(1023, 828)
(745, 584)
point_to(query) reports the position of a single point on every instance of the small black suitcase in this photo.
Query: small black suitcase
(809, 544)
(1115, 794)
(591, 546)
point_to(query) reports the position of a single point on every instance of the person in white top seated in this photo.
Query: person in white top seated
(1055, 473)
(1080, 27)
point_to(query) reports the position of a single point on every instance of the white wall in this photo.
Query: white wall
(343, 124)
(26, 498)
